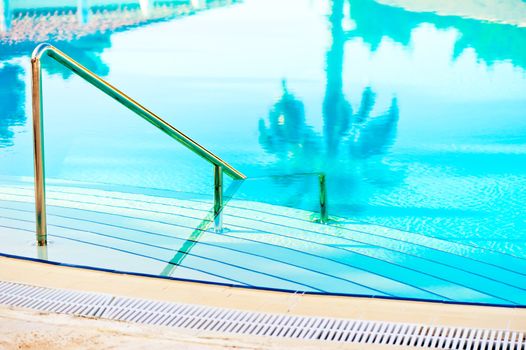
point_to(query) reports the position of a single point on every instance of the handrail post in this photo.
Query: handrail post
(218, 199)
(38, 149)
(324, 216)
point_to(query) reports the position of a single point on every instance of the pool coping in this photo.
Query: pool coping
(369, 309)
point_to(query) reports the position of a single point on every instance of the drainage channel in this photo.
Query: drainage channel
(204, 318)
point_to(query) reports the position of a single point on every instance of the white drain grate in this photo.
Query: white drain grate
(205, 318)
(53, 300)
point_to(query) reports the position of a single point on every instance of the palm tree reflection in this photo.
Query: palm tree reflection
(373, 136)
(350, 141)
(288, 136)
(336, 109)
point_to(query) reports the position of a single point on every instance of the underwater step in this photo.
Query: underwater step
(262, 245)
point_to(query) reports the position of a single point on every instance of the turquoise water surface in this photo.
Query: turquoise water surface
(417, 118)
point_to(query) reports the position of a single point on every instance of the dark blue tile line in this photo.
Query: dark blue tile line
(354, 240)
(399, 265)
(336, 248)
(385, 276)
(287, 263)
(253, 254)
(328, 235)
(343, 238)
(237, 286)
(434, 261)
(247, 240)
(297, 251)
(201, 243)
(472, 246)
(148, 190)
(345, 229)
(122, 251)
(166, 249)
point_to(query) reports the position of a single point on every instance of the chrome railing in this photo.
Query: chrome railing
(220, 165)
(324, 213)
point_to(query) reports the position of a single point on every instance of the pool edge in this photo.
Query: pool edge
(371, 309)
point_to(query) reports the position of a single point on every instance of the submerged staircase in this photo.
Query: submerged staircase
(170, 234)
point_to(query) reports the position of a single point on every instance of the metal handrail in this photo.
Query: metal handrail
(220, 165)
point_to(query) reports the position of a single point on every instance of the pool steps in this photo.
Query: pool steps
(263, 245)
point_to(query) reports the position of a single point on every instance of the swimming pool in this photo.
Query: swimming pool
(417, 118)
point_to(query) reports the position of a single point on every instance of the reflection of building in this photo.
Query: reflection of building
(374, 21)
(11, 100)
(82, 11)
(5, 16)
(68, 23)
(356, 136)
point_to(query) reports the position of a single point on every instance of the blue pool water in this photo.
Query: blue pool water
(417, 118)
